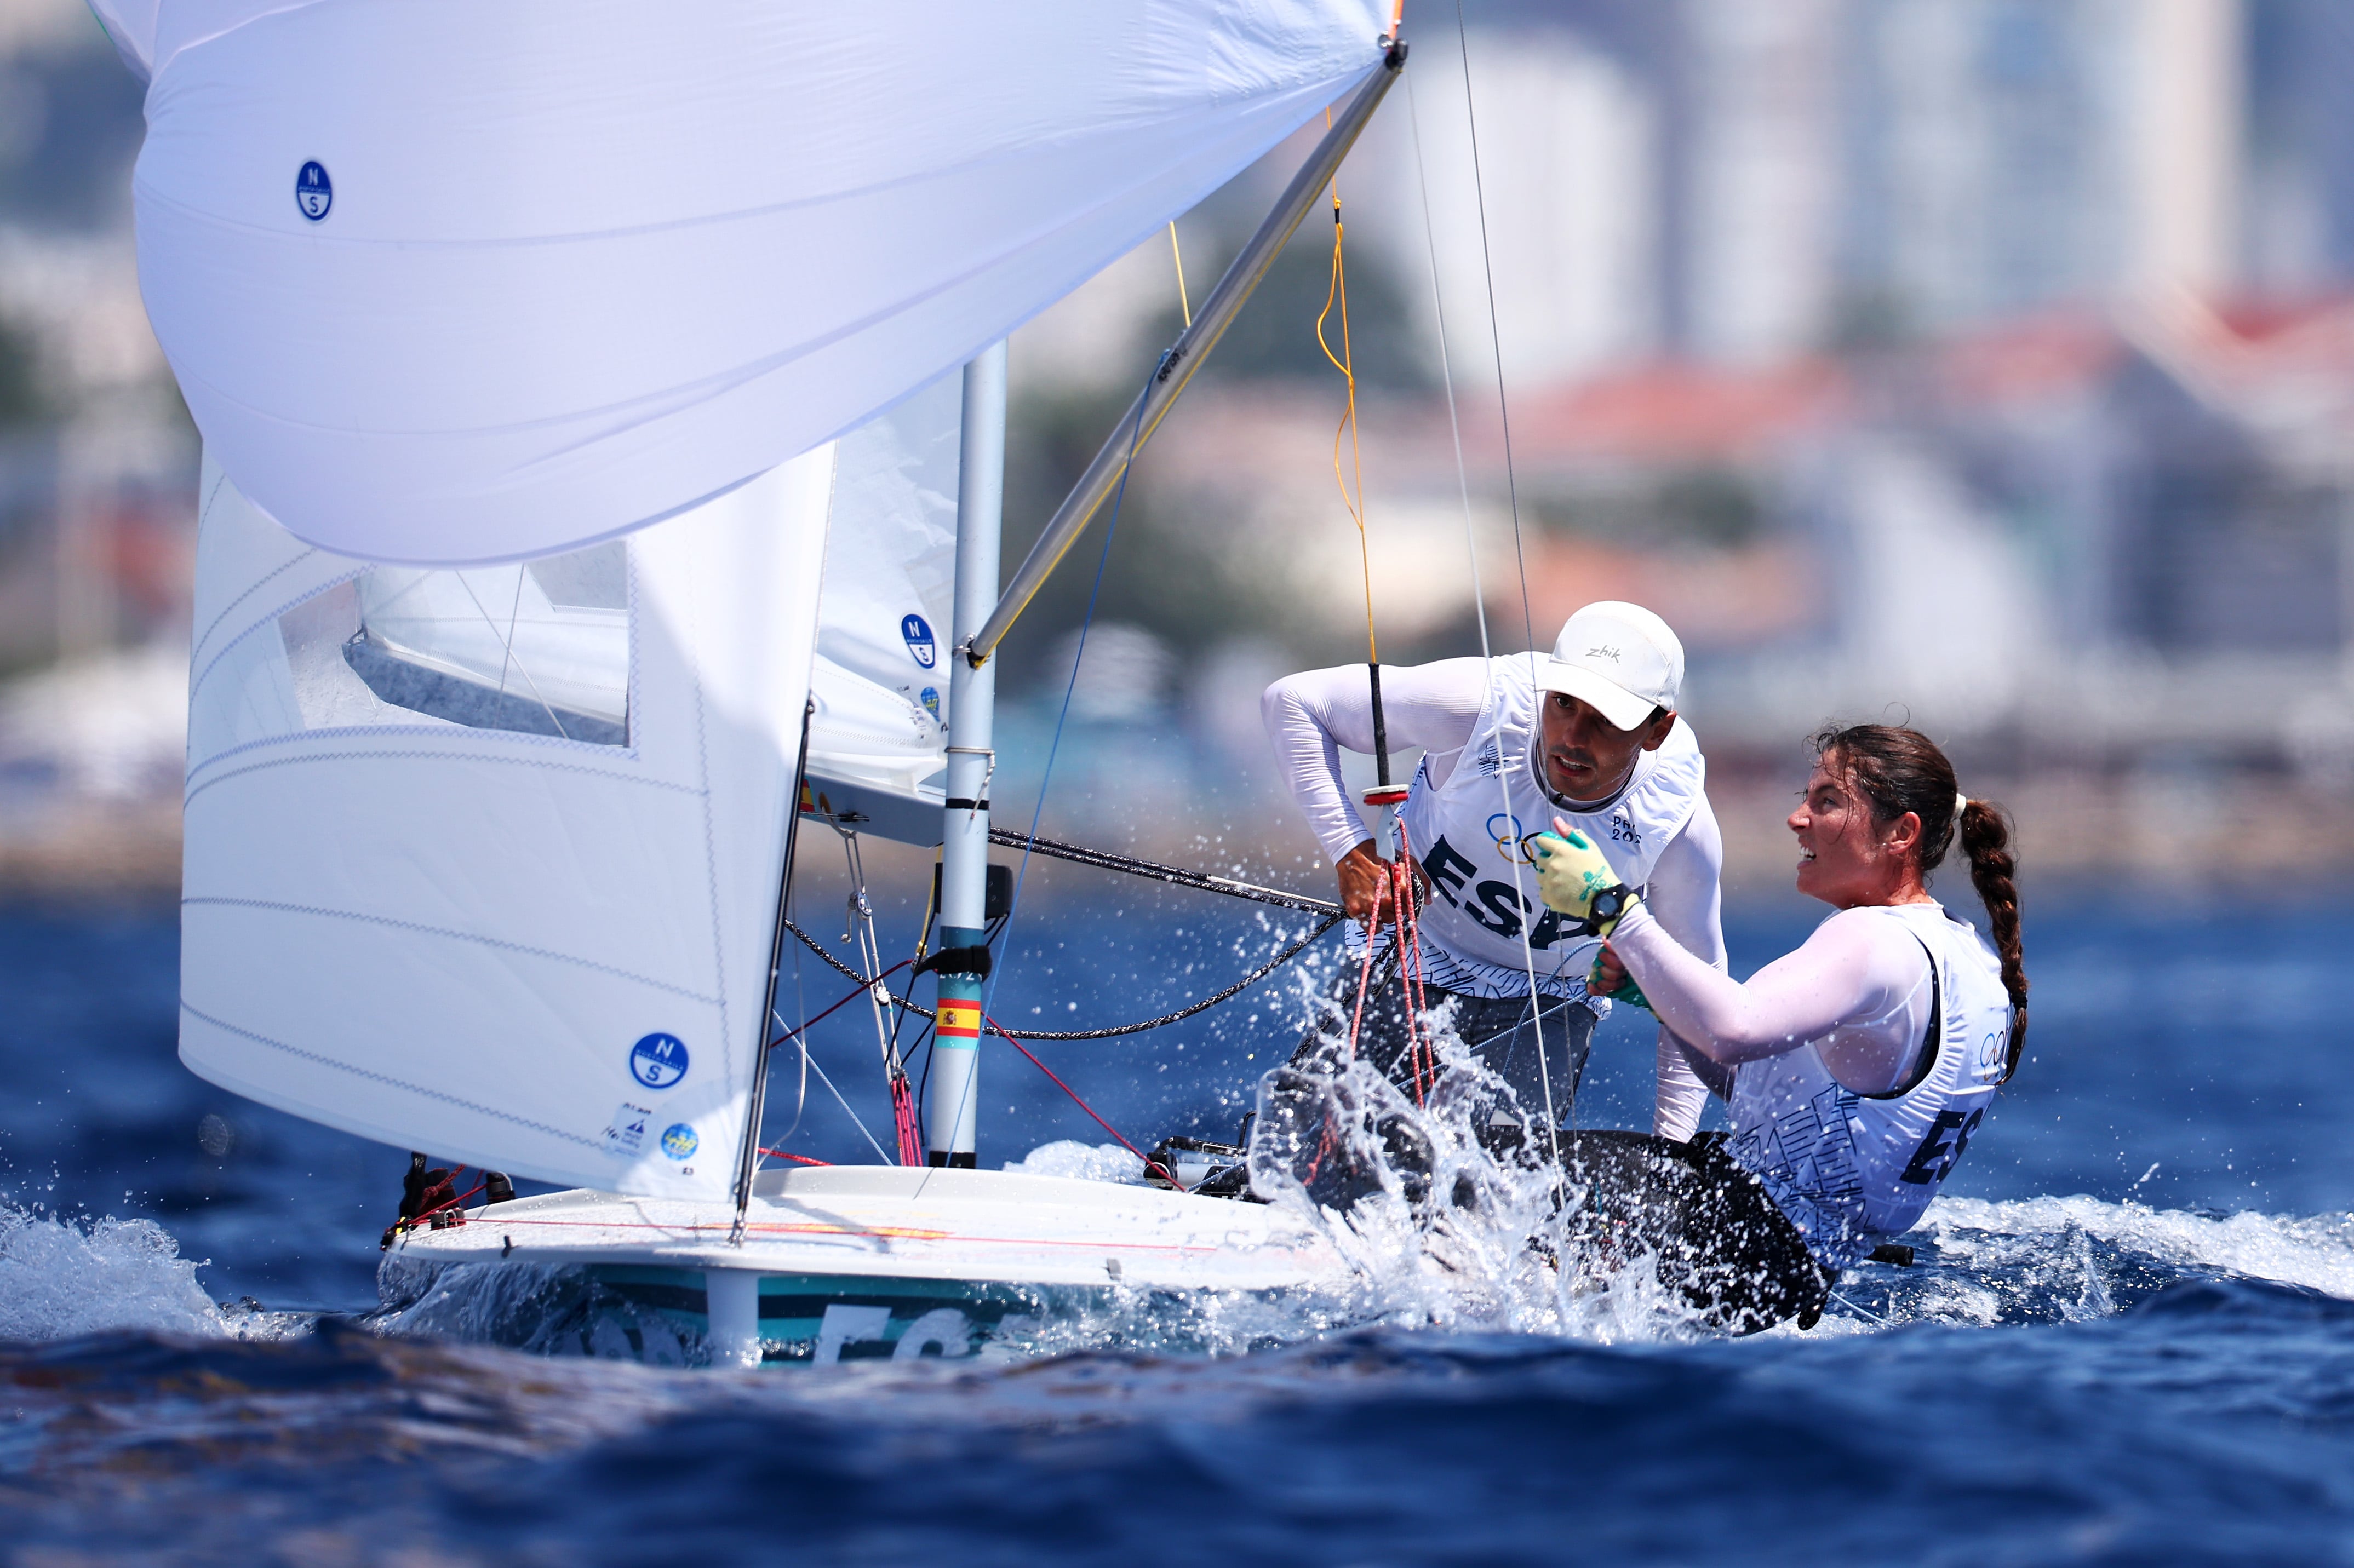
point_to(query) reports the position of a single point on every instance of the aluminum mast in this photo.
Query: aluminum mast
(951, 1099)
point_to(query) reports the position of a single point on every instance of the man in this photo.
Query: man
(1590, 735)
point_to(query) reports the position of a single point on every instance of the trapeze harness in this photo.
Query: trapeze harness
(1472, 844)
(1849, 1170)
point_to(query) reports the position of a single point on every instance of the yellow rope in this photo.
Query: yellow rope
(1183, 303)
(1344, 362)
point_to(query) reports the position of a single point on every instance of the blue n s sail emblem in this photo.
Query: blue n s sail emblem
(917, 634)
(314, 192)
(658, 1061)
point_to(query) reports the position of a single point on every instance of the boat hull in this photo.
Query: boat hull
(849, 1263)
(827, 1319)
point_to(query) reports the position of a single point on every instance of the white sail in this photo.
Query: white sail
(484, 862)
(446, 283)
(878, 734)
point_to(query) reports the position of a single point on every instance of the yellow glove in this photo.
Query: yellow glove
(1571, 876)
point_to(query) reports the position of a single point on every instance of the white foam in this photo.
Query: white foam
(1471, 1266)
(62, 1277)
(2316, 1252)
(1464, 1263)
(1082, 1161)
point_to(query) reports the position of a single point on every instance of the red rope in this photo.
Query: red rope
(1366, 973)
(903, 1118)
(1397, 882)
(457, 1203)
(1423, 1050)
(796, 1159)
(1150, 1164)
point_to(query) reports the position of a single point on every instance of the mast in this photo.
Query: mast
(950, 1102)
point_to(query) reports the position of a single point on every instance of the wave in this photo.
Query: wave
(1980, 1263)
(61, 1278)
(2316, 1252)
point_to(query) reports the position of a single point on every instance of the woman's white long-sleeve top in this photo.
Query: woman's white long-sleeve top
(1859, 989)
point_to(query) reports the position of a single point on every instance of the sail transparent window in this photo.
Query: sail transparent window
(541, 648)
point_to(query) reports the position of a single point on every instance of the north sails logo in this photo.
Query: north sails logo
(314, 192)
(917, 634)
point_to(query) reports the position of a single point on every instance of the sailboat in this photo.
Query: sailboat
(604, 414)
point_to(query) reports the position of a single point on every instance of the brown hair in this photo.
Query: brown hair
(1900, 770)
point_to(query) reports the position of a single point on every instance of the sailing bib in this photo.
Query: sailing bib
(1849, 1169)
(1472, 835)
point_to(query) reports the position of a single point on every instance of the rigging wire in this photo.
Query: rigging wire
(845, 1104)
(860, 924)
(1337, 291)
(1495, 332)
(1153, 871)
(1345, 363)
(1116, 1031)
(1152, 1165)
(506, 641)
(1471, 547)
(867, 987)
(800, 1004)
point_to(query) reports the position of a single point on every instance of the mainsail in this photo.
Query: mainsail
(520, 337)
(446, 283)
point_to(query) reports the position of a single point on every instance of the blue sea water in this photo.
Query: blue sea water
(2129, 1337)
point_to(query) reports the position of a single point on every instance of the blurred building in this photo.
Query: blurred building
(98, 466)
(1981, 362)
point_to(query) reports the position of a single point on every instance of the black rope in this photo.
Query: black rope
(1203, 1005)
(1155, 871)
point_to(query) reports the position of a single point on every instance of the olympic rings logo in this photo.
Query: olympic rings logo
(1504, 833)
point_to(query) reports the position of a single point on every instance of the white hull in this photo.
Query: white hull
(850, 1262)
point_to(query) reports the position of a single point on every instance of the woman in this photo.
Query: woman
(1855, 1069)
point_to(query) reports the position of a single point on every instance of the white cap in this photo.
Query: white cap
(1620, 659)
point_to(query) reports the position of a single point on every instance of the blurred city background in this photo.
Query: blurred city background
(1988, 363)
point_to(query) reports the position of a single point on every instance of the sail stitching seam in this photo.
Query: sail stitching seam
(384, 1078)
(230, 608)
(421, 927)
(205, 510)
(416, 756)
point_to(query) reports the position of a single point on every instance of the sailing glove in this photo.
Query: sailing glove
(1573, 878)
